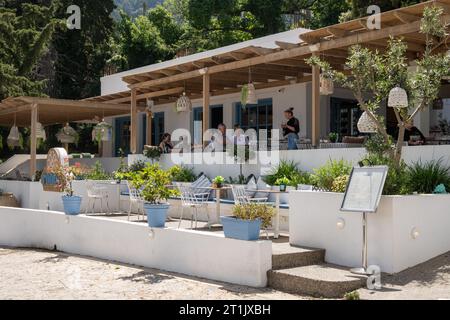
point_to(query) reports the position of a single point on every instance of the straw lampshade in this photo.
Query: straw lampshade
(184, 104)
(398, 98)
(366, 124)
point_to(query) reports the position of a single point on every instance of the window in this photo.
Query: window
(258, 117)
(158, 128)
(122, 133)
(215, 118)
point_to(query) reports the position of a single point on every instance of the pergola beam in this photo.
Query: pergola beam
(150, 95)
(362, 37)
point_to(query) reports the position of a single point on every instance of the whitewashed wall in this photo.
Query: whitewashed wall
(193, 253)
(313, 222)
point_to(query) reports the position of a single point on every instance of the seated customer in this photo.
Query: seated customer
(166, 145)
(412, 131)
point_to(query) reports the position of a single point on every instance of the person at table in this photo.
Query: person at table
(291, 129)
(220, 140)
(412, 131)
(166, 144)
(239, 138)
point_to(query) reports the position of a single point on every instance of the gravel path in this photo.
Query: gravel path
(36, 274)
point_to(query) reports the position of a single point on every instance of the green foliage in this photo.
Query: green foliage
(153, 153)
(397, 180)
(340, 184)
(137, 166)
(219, 180)
(425, 177)
(377, 145)
(289, 170)
(354, 295)
(154, 184)
(324, 177)
(333, 136)
(241, 179)
(98, 173)
(254, 211)
(282, 181)
(182, 174)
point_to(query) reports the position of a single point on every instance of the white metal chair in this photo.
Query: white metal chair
(194, 200)
(241, 197)
(135, 198)
(96, 192)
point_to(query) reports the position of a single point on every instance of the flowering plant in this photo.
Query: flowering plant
(65, 178)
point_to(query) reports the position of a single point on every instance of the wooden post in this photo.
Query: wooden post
(315, 121)
(33, 142)
(134, 123)
(206, 97)
(149, 129)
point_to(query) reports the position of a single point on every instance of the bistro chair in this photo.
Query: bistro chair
(190, 198)
(96, 192)
(135, 198)
(241, 197)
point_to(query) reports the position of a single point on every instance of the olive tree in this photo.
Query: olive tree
(373, 74)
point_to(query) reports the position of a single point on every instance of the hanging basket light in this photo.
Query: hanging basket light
(102, 132)
(326, 85)
(40, 132)
(14, 137)
(184, 104)
(67, 134)
(252, 98)
(150, 107)
(366, 124)
(398, 98)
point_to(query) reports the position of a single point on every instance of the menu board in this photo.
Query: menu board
(364, 189)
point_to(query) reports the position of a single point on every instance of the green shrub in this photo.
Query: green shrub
(154, 182)
(397, 181)
(289, 170)
(253, 211)
(425, 177)
(354, 295)
(340, 184)
(98, 173)
(219, 180)
(182, 174)
(324, 177)
(283, 181)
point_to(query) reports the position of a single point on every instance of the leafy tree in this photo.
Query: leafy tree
(358, 8)
(374, 74)
(25, 34)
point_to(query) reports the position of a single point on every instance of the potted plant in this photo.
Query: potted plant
(333, 137)
(247, 221)
(218, 182)
(71, 202)
(152, 152)
(154, 185)
(102, 132)
(283, 183)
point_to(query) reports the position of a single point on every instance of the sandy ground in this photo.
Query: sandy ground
(37, 274)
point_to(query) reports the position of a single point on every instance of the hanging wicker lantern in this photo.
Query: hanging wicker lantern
(102, 132)
(14, 137)
(251, 97)
(398, 98)
(150, 106)
(366, 124)
(184, 104)
(67, 134)
(40, 132)
(326, 86)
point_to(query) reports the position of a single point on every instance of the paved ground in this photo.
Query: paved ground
(37, 274)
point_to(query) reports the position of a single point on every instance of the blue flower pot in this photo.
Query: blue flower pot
(241, 229)
(72, 205)
(156, 214)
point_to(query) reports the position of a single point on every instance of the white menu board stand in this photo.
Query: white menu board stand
(363, 195)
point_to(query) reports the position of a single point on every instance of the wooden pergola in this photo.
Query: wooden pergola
(225, 73)
(28, 111)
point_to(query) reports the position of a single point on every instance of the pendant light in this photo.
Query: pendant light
(183, 103)
(366, 124)
(67, 134)
(40, 132)
(326, 85)
(150, 106)
(102, 132)
(398, 98)
(13, 139)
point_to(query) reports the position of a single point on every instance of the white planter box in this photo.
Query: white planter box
(313, 219)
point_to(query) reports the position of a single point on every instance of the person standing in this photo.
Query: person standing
(166, 144)
(291, 129)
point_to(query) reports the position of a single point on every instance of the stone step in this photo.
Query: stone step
(285, 256)
(321, 281)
